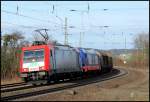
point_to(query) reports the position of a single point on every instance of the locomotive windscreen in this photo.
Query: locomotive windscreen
(34, 55)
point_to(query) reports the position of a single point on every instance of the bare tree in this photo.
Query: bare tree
(11, 40)
(10, 47)
(141, 42)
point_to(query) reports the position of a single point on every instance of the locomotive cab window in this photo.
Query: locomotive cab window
(37, 55)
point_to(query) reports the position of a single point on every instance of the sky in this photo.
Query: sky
(125, 19)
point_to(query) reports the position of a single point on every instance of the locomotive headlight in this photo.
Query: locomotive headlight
(25, 69)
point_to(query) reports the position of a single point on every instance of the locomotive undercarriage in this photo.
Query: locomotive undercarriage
(43, 77)
(35, 76)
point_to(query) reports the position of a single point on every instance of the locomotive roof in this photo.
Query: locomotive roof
(65, 47)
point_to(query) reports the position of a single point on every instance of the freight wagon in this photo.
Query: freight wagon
(42, 63)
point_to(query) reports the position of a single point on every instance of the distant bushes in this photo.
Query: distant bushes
(9, 62)
(140, 57)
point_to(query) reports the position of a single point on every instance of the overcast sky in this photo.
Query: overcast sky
(124, 18)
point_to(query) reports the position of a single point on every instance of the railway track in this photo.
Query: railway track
(16, 93)
(12, 85)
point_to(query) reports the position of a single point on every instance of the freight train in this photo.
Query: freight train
(42, 63)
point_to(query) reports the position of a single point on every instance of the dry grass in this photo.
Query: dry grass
(131, 87)
(138, 61)
(10, 81)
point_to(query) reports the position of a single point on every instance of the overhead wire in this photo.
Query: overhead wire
(32, 10)
(37, 11)
(47, 21)
(91, 26)
(25, 26)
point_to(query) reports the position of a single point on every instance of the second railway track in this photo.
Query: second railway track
(30, 91)
(13, 85)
